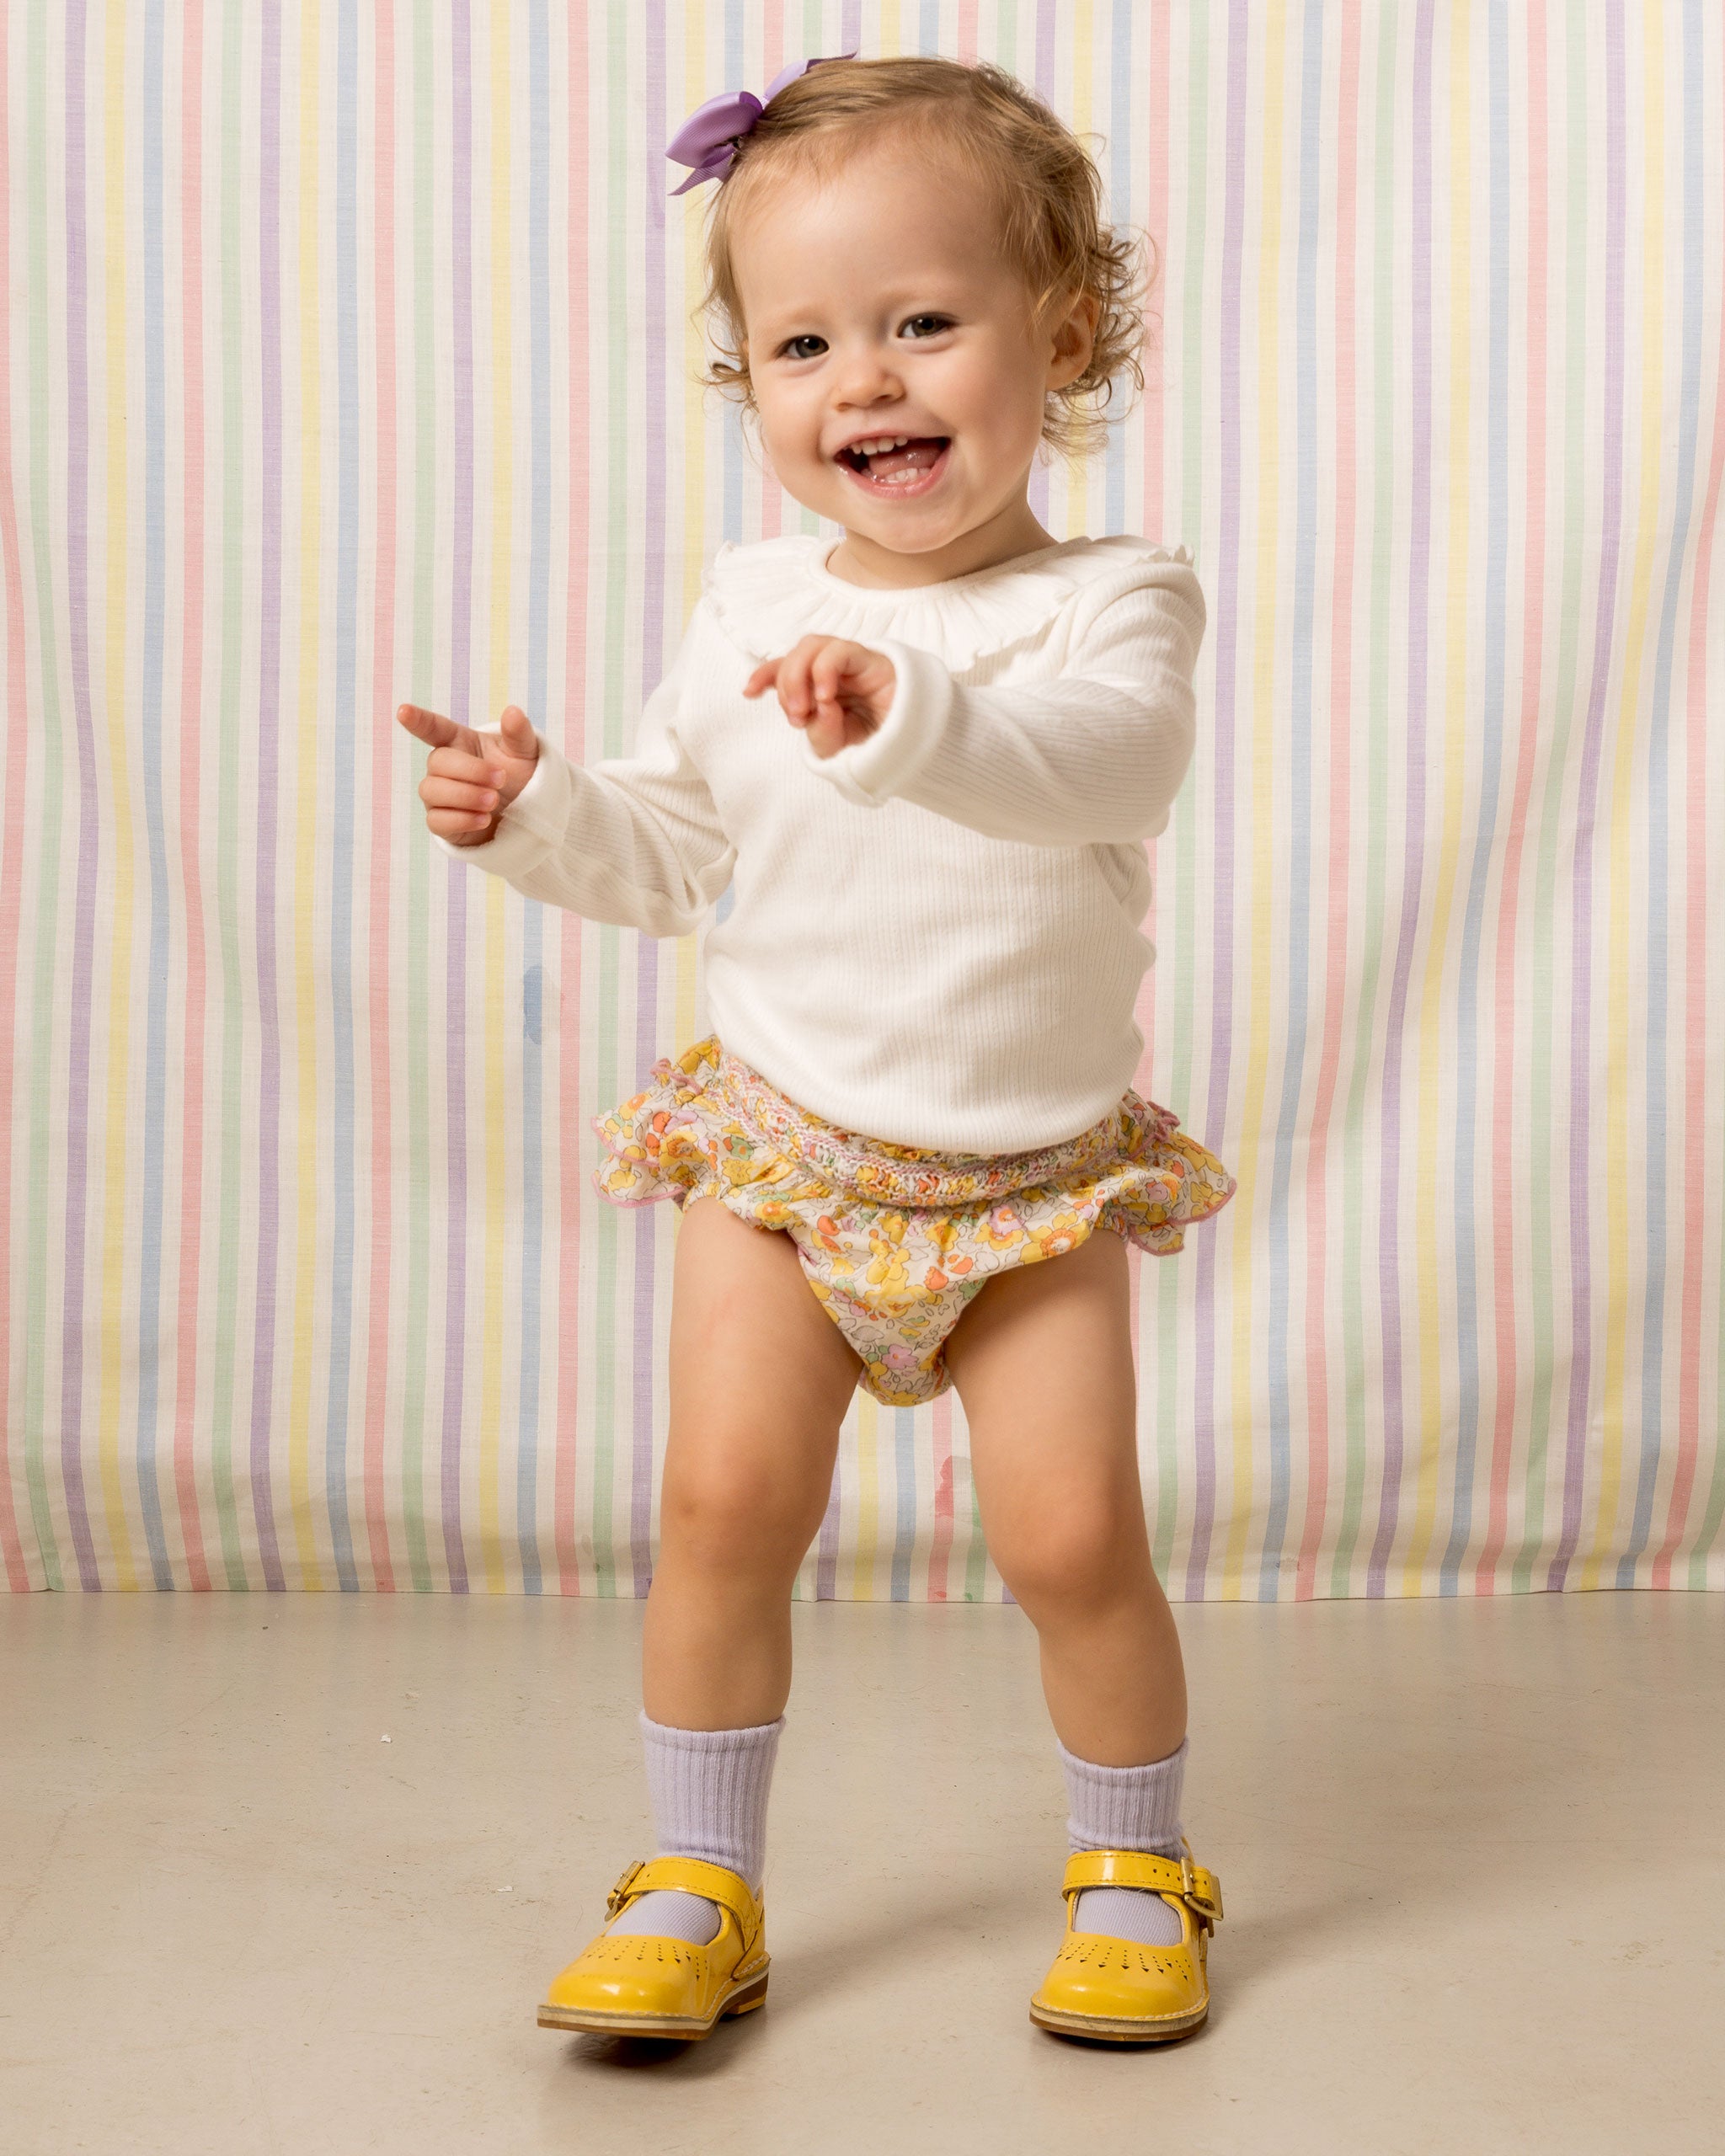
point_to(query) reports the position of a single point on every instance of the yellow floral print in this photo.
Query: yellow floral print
(895, 1240)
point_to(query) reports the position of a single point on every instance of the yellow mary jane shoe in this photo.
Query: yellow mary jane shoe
(642, 1985)
(1115, 1989)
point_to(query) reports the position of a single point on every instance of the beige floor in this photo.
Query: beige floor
(1470, 1852)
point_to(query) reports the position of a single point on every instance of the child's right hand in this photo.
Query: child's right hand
(471, 778)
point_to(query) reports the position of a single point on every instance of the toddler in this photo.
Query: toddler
(918, 1089)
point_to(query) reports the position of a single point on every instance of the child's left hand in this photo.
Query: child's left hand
(840, 692)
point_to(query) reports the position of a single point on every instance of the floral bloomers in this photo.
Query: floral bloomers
(895, 1240)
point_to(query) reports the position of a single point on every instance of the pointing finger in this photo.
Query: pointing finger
(428, 725)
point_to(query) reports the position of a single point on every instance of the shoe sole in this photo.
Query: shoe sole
(1109, 2030)
(750, 1996)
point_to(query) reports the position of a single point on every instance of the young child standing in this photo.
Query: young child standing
(919, 1087)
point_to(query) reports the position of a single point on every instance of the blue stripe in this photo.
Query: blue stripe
(1659, 928)
(656, 360)
(535, 1167)
(905, 1492)
(1119, 209)
(341, 752)
(1299, 725)
(149, 1337)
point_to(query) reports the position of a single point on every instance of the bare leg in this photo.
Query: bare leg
(1041, 1359)
(760, 1379)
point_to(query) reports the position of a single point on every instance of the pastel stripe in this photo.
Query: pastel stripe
(12, 817)
(347, 360)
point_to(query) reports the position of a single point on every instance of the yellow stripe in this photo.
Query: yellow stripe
(498, 1120)
(1428, 1446)
(110, 1420)
(309, 812)
(1241, 1501)
(1612, 1170)
(687, 231)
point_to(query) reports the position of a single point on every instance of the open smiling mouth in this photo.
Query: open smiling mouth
(910, 467)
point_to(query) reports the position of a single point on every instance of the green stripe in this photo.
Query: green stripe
(226, 1411)
(976, 1559)
(1385, 407)
(1183, 822)
(425, 1172)
(1544, 1139)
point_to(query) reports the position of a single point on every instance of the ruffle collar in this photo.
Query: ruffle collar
(768, 594)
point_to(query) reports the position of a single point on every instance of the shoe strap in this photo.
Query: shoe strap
(1200, 1889)
(688, 1874)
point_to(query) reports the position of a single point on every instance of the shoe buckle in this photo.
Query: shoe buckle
(614, 1900)
(1209, 1905)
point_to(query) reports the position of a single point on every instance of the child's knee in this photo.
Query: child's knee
(1068, 1557)
(738, 1516)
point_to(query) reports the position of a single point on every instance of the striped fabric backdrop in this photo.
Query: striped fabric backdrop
(347, 358)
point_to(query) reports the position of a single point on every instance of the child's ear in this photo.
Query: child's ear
(1074, 340)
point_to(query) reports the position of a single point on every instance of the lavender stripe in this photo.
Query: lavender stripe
(78, 1079)
(1418, 576)
(1586, 811)
(826, 1564)
(148, 1336)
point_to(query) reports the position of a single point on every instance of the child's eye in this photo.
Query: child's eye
(789, 349)
(933, 324)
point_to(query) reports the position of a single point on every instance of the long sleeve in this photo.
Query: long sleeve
(635, 840)
(1093, 754)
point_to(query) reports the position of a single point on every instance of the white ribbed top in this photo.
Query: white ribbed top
(935, 936)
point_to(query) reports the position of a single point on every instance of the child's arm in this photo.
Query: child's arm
(1095, 753)
(634, 840)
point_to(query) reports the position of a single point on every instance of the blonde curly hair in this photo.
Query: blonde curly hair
(1047, 188)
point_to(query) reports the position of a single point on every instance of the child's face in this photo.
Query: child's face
(876, 305)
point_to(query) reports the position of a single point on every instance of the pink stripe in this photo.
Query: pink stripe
(570, 925)
(1317, 1470)
(191, 816)
(12, 866)
(967, 38)
(773, 498)
(383, 666)
(1155, 518)
(1156, 222)
(1695, 1151)
(1533, 585)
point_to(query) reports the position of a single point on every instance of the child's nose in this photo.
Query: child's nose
(866, 376)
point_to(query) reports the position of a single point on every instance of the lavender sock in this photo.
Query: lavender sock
(1125, 1808)
(708, 1790)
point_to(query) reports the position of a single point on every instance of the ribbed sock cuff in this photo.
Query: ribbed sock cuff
(708, 1788)
(1124, 1808)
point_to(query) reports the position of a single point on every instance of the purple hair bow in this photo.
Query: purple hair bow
(709, 138)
